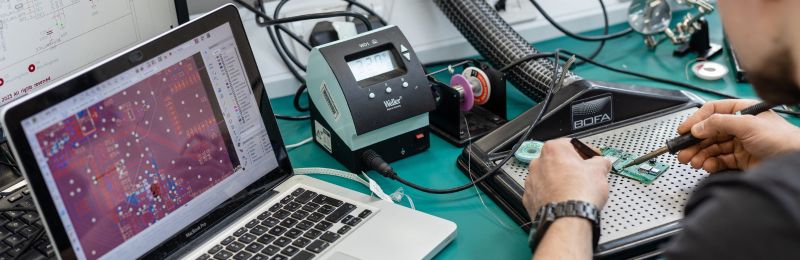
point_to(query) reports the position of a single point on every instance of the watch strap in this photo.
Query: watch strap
(572, 208)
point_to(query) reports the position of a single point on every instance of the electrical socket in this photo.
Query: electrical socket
(303, 28)
(517, 11)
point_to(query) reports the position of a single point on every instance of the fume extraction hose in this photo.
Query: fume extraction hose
(500, 44)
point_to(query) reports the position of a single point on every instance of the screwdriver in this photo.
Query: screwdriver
(682, 142)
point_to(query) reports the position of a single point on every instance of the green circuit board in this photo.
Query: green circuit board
(646, 172)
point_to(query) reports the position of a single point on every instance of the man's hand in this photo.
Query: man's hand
(735, 142)
(560, 174)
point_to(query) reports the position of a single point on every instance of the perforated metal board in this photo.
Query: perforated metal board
(633, 207)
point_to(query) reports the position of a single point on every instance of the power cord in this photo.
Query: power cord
(635, 74)
(373, 160)
(578, 36)
(366, 9)
(281, 42)
(262, 21)
(288, 58)
(275, 36)
(296, 100)
(285, 48)
(605, 32)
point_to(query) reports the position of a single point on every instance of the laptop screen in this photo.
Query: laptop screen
(135, 159)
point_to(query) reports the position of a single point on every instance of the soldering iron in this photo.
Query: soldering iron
(686, 140)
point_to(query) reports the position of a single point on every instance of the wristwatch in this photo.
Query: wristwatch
(572, 208)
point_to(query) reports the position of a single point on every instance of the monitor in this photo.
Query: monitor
(42, 41)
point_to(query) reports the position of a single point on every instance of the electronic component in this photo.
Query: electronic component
(369, 92)
(646, 172)
(528, 151)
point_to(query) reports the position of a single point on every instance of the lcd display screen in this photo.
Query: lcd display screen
(373, 65)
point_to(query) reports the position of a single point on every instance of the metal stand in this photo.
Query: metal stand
(448, 121)
(699, 43)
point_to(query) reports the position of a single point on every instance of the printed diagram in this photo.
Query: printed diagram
(49, 14)
(43, 40)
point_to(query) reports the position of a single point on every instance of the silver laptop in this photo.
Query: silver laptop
(171, 150)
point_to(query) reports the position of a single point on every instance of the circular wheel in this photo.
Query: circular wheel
(480, 81)
(468, 98)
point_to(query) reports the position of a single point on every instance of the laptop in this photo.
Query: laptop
(171, 150)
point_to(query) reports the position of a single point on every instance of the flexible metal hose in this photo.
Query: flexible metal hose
(500, 44)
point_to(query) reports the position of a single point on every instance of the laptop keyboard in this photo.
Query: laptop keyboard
(300, 226)
(22, 235)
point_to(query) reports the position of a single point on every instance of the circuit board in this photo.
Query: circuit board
(646, 172)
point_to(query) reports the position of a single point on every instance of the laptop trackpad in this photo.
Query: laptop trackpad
(342, 256)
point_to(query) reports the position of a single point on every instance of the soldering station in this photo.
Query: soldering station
(369, 102)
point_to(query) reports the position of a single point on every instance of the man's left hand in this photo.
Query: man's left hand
(561, 174)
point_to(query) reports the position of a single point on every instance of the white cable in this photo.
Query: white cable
(331, 172)
(469, 173)
(301, 143)
(354, 177)
(398, 195)
(410, 201)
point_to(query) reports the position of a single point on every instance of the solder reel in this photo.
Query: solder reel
(473, 104)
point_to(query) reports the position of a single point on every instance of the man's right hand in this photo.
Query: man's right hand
(735, 142)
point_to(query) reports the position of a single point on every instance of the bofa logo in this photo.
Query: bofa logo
(592, 112)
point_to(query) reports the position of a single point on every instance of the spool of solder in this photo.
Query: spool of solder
(528, 151)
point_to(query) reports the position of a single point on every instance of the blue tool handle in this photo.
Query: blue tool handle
(684, 141)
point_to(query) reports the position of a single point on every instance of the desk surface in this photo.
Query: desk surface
(483, 228)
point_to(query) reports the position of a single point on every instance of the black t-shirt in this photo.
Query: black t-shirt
(749, 215)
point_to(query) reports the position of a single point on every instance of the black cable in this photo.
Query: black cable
(293, 118)
(605, 32)
(9, 165)
(375, 162)
(453, 61)
(500, 5)
(578, 36)
(367, 9)
(32, 241)
(662, 80)
(271, 34)
(295, 37)
(269, 21)
(262, 22)
(282, 43)
(296, 100)
(9, 159)
(526, 58)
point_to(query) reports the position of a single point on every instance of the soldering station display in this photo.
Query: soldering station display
(370, 67)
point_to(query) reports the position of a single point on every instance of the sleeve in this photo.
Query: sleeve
(734, 218)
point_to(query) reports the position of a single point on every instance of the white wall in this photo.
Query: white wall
(433, 36)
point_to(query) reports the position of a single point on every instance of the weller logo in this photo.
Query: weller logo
(592, 112)
(392, 103)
